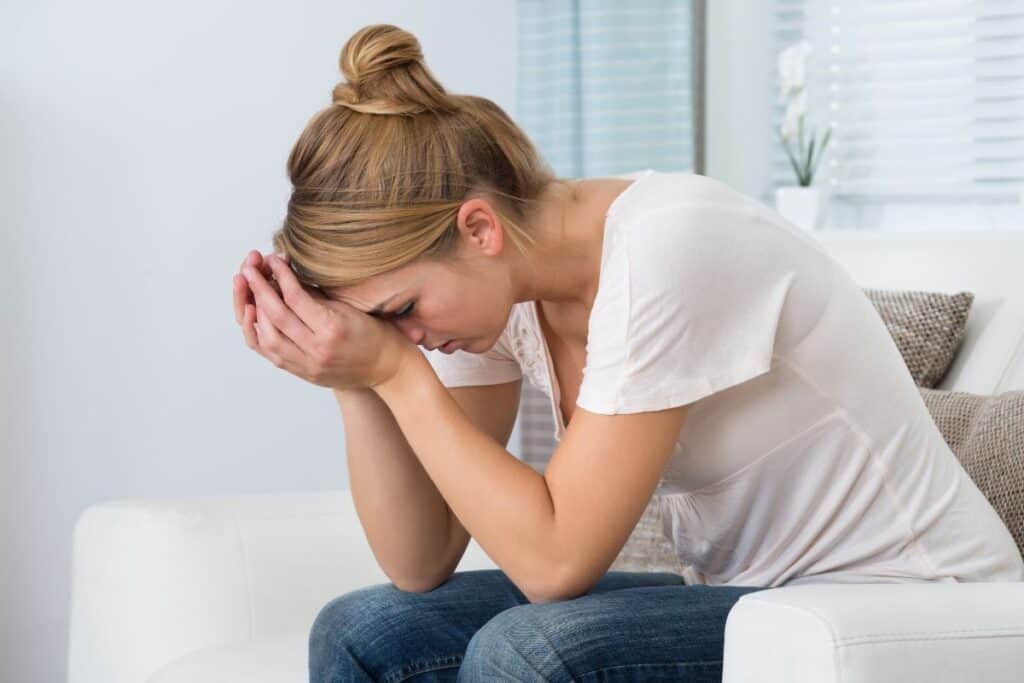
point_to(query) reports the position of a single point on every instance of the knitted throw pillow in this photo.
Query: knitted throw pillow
(987, 435)
(928, 328)
(648, 548)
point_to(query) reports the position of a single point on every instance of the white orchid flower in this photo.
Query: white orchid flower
(792, 67)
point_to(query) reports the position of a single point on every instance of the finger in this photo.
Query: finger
(279, 314)
(256, 260)
(252, 258)
(277, 348)
(307, 306)
(248, 329)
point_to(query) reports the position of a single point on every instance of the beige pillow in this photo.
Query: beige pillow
(987, 435)
(648, 548)
(928, 328)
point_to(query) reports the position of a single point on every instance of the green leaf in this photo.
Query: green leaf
(800, 123)
(821, 150)
(792, 161)
(807, 164)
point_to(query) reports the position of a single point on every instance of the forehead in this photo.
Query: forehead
(378, 289)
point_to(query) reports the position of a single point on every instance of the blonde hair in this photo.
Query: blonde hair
(378, 177)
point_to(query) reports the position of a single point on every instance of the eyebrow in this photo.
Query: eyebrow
(380, 307)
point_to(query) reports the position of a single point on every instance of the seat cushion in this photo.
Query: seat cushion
(277, 659)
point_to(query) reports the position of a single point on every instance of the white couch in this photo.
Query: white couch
(225, 589)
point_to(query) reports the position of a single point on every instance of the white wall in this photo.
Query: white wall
(143, 152)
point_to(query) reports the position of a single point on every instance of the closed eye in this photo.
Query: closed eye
(404, 312)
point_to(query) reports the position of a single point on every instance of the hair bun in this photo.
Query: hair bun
(385, 73)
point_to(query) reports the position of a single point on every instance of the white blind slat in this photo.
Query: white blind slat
(925, 98)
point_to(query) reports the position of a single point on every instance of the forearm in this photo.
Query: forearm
(402, 512)
(503, 503)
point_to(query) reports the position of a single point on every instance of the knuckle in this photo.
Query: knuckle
(333, 332)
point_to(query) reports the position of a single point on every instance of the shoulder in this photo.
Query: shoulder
(682, 230)
(656, 190)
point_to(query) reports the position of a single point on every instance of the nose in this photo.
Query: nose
(415, 333)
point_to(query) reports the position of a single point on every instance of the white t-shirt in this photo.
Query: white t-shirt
(808, 454)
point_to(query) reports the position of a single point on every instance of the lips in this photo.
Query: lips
(439, 346)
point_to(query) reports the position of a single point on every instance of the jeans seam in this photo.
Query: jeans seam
(651, 664)
(451, 661)
(526, 659)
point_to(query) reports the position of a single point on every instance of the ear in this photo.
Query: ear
(480, 226)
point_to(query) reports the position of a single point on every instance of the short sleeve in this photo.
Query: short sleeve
(689, 305)
(462, 368)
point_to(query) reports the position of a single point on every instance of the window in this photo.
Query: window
(926, 101)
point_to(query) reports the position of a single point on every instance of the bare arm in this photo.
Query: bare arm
(551, 533)
(414, 535)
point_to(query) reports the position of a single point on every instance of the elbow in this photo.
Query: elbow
(417, 587)
(420, 585)
(556, 594)
(556, 587)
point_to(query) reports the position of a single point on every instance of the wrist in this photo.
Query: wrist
(354, 394)
(409, 370)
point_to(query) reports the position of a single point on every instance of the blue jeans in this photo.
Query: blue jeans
(477, 626)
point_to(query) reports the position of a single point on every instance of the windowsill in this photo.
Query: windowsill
(845, 214)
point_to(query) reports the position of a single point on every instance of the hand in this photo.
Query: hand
(244, 302)
(325, 342)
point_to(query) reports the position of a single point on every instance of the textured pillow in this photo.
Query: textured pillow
(928, 328)
(987, 435)
(648, 549)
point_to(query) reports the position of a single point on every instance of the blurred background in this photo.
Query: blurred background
(143, 154)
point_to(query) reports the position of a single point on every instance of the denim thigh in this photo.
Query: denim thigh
(382, 633)
(646, 633)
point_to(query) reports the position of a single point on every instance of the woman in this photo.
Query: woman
(696, 348)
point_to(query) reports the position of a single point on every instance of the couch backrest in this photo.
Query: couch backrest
(988, 263)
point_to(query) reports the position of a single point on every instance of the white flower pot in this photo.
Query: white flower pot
(805, 207)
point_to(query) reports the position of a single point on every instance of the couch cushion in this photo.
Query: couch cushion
(987, 435)
(272, 659)
(927, 327)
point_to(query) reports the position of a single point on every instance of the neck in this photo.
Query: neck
(562, 268)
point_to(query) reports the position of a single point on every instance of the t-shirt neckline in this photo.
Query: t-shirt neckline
(555, 399)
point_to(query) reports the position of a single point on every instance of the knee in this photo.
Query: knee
(340, 631)
(511, 646)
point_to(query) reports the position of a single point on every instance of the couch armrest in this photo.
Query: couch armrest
(857, 633)
(153, 580)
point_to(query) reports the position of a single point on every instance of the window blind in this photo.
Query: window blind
(925, 98)
(606, 88)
